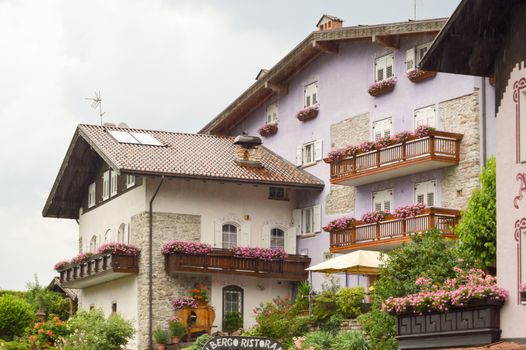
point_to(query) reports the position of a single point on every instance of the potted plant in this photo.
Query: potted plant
(268, 129)
(177, 329)
(161, 337)
(199, 293)
(522, 290)
(382, 87)
(309, 112)
(417, 75)
(232, 321)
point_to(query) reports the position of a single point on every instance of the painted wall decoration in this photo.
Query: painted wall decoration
(520, 225)
(521, 177)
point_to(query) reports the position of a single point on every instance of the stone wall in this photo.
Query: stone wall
(341, 199)
(462, 115)
(166, 226)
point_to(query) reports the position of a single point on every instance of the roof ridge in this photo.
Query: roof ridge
(111, 127)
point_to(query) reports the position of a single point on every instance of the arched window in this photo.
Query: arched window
(108, 236)
(229, 236)
(93, 244)
(232, 300)
(120, 233)
(277, 238)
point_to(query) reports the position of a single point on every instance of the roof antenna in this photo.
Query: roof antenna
(97, 102)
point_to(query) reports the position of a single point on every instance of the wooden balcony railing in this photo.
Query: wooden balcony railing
(394, 230)
(224, 261)
(99, 269)
(437, 150)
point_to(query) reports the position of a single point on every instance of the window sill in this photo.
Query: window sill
(307, 235)
(308, 165)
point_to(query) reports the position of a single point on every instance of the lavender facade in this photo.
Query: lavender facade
(337, 78)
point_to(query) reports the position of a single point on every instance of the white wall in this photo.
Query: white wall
(255, 291)
(217, 203)
(123, 291)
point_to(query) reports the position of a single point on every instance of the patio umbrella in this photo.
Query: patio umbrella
(360, 262)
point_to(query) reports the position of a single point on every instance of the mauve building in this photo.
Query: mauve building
(329, 74)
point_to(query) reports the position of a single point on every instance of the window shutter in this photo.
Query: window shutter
(299, 155)
(420, 198)
(389, 70)
(126, 238)
(218, 235)
(380, 74)
(243, 237)
(296, 221)
(314, 98)
(425, 116)
(317, 218)
(290, 242)
(410, 59)
(387, 205)
(265, 236)
(377, 205)
(318, 151)
(431, 199)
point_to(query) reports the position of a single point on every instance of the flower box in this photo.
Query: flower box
(417, 75)
(382, 87)
(308, 113)
(268, 129)
(476, 323)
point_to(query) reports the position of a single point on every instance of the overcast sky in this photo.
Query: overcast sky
(169, 65)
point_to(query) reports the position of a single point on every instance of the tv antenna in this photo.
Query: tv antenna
(97, 102)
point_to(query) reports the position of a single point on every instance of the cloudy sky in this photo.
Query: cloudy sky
(171, 65)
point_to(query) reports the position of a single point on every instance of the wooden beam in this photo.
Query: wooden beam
(325, 46)
(390, 41)
(279, 89)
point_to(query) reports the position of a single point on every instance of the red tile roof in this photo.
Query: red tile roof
(192, 155)
(500, 345)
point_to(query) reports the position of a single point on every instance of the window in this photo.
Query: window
(121, 234)
(277, 238)
(383, 200)
(114, 307)
(414, 55)
(382, 128)
(384, 67)
(311, 94)
(272, 113)
(130, 181)
(425, 193)
(425, 116)
(92, 306)
(93, 244)
(232, 300)
(92, 195)
(229, 236)
(309, 153)
(105, 185)
(114, 183)
(108, 236)
(277, 193)
(307, 220)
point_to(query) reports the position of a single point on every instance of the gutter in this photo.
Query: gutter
(150, 267)
(483, 131)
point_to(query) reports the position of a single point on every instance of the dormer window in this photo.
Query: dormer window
(91, 195)
(384, 67)
(106, 185)
(130, 181)
(272, 113)
(311, 94)
(414, 55)
(114, 182)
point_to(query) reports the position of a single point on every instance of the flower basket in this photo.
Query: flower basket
(265, 254)
(339, 224)
(268, 129)
(382, 87)
(186, 247)
(417, 75)
(308, 113)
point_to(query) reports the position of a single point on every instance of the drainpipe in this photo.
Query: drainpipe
(150, 269)
(483, 131)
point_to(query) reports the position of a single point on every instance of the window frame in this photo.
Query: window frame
(275, 196)
(92, 194)
(272, 113)
(418, 56)
(310, 94)
(114, 183)
(382, 63)
(282, 238)
(227, 244)
(382, 193)
(379, 123)
(316, 155)
(422, 110)
(426, 185)
(130, 181)
(233, 289)
(106, 185)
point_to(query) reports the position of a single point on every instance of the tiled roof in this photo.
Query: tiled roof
(500, 345)
(192, 155)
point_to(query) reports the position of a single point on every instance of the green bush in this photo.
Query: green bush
(161, 336)
(50, 302)
(232, 321)
(325, 305)
(349, 340)
(16, 315)
(350, 301)
(380, 327)
(319, 340)
(478, 227)
(199, 342)
(177, 329)
(14, 345)
(301, 303)
(332, 324)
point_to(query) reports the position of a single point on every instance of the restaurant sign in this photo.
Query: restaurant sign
(242, 343)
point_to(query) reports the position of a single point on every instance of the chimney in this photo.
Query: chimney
(328, 22)
(247, 151)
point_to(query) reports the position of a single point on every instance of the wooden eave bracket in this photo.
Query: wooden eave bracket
(390, 41)
(325, 46)
(280, 89)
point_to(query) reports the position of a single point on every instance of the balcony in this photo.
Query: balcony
(100, 268)
(391, 232)
(438, 150)
(224, 261)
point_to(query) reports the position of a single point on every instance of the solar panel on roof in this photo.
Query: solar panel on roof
(123, 137)
(146, 139)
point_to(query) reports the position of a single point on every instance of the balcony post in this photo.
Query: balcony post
(431, 221)
(353, 234)
(378, 158)
(432, 145)
(404, 227)
(378, 230)
(404, 151)
(354, 170)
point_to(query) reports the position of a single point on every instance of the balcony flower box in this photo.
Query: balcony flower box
(308, 113)
(417, 75)
(265, 254)
(382, 87)
(268, 129)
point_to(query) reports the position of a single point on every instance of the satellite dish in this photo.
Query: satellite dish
(123, 125)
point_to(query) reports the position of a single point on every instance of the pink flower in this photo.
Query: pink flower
(119, 249)
(381, 85)
(179, 303)
(409, 210)
(339, 224)
(266, 254)
(186, 247)
(61, 264)
(375, 216)
(268, 129)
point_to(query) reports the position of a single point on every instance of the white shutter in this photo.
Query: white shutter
(379, 66)
(425, 116)
(311, 94)
(316, 218)
(425, 192)
(389, 66)
(382, 128)
(243, 237)
(265, 236)
(383, 200)
(290, 242)
(410, 59)
(272, 113)
(218, 235)
(299, 155)
(318, 155)
(126, 238)
(296, 221)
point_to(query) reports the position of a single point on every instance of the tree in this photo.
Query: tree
(477, 229)
(46, 300)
